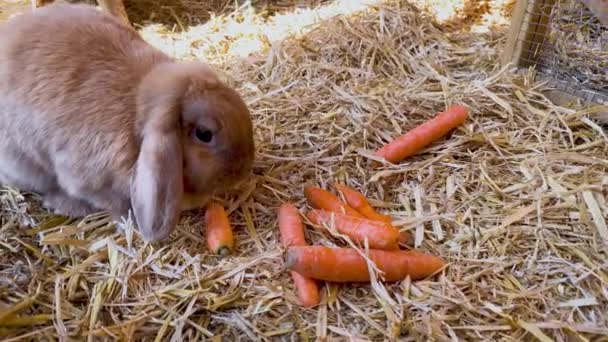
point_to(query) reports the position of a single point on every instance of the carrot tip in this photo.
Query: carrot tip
(291, 259)
(309, 304)
(223, 251)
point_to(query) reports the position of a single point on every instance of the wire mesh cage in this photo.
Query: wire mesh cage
(566, 41)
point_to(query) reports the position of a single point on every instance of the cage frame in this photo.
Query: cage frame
(527, 31)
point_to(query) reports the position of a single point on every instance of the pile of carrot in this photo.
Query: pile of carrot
(356, 218)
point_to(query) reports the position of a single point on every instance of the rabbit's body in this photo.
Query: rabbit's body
(81, 95)
(52, 121)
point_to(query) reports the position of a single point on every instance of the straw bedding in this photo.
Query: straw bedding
(515, 200)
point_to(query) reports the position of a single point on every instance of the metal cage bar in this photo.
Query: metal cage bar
(534, 43)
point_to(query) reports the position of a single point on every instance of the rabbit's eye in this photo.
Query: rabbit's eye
(203, 134)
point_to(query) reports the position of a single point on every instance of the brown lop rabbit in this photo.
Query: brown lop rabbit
(93, 118)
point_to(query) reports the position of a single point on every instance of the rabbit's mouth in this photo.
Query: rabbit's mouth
(204, 186)
(197, 187)
(208, 181)
(192, 201)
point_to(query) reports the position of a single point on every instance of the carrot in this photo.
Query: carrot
(292, 234)
(323, 199)
(308, 291)
(379, 235)
(290, 226)
(423, 135)
(347, 264)
(220, 239)
(358, 201)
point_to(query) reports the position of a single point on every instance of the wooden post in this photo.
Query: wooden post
(515, 29)
(528, 32)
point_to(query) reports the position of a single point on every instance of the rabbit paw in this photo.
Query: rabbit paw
(64, 205)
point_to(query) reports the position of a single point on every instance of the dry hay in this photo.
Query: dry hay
(576, 50)
(515, 200)
(180, 14)
(468, 14)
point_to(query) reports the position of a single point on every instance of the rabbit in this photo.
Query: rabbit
(93, 118)
(114, 7)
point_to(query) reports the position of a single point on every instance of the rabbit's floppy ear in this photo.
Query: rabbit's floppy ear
(157, 184)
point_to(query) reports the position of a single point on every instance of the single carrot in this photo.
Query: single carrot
(347, 264)
(220, 239)
(323, 199)
(359, 202)
(423, 135)
(291, 230)
(380, 235)
(307, 289)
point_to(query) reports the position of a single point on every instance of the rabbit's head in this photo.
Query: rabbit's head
(196, 137)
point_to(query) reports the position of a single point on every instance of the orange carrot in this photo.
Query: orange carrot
(347, 264)
(292, 234)
(323, 199)
(421, 136)
(380, 235)
(358, 201)
(220, 239)
(308, 291)
(290, 226)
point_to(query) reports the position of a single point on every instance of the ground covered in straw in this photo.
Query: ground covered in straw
(515, 200)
